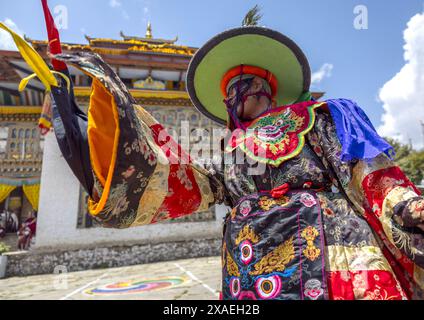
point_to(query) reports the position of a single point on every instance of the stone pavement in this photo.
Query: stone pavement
(193, 279)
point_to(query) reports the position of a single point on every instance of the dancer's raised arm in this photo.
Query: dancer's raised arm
(140, 174)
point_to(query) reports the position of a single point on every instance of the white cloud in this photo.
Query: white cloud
(6, 41)
(115, 3)
(403, 95)
(145, 5)
(323, 72)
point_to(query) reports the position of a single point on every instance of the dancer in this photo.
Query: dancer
(319, 210)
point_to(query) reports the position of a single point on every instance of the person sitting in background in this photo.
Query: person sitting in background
(26, 233)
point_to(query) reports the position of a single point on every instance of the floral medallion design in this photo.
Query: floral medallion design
(277, 135)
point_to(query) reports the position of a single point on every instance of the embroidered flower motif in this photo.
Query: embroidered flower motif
(328, 212)
(345, 276)
(379, 294)
(324, 207)
(318, 150)
(307, 200)
(162, 215)
(313, 289)
(308, 184)
(129, 172)
(359, 286)
(147, 152)
(127, 150)
(117, 202)
(183, 177)
(376, 209)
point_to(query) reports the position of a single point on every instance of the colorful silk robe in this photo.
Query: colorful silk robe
(310, 226)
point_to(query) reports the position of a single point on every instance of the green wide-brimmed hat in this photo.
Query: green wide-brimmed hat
(255, 46)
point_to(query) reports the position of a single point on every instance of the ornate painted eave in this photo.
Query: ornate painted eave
(154, 94)
(6, 72)
(145, 97)
(121, 47)
(19, 113)
(20, 110)
(20, 173)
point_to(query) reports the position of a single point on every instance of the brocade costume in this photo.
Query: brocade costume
(328, 215)
(313, 227)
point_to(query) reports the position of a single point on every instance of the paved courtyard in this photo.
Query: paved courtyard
(193, 279)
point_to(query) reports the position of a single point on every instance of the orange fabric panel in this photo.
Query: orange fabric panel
(103, 137)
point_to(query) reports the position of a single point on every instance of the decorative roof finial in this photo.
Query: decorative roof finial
(149, 31)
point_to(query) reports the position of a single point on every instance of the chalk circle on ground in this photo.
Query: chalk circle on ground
(136, 286)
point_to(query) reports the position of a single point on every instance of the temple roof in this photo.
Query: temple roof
(154, 69)
(148, 38)
(126, 45)
(7, 73)
(123, 47)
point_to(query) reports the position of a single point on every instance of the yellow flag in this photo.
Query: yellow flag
(33, 59)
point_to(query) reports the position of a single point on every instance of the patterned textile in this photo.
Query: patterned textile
(273, 248)
(151, 179)
(277, 135)
(374, 188)
(312, 227)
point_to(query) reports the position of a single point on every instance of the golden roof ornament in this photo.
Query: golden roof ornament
(148, 38)
(149, 31)
(149, 83)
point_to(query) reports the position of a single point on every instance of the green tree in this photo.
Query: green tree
(409, 160)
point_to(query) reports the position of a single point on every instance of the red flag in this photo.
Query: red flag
(53, 35)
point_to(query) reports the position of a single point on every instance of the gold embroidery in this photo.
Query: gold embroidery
(379, 294)
(309, 234)
(395, 196)
(153, 195)
(203, 183)
(232, 268)
(247, 234)
(354, 259)
(266, 203)
(276, 260)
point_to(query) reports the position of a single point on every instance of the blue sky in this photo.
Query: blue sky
(363, 60)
